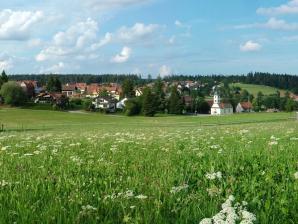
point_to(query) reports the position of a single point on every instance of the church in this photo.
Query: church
(219, 108)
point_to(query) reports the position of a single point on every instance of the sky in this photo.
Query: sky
(157, 37)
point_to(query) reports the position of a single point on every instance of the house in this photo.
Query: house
(114, 90)
(93, 90)
(69, 89)
(138, 92)
(219, 108)
(81, 87)
(29, 87)
(58, 99)
(244, 107)
(121, 104)
(106, 103)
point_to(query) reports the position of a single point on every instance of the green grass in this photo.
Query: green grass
(254, 89)
(93, 168)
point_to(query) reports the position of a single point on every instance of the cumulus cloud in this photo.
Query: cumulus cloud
(289, 8)
(55, 69)
(75, 40)
(103, 5)
(138, 31)
(272, 23)
(250, 46)
(104, 41)
(165, 71)
(123, 56)
(17, 25)
(6, 62)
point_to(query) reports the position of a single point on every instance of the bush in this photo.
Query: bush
(87, 105)
(13, 94)
(132, 107)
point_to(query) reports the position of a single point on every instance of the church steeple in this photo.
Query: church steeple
(216, 97)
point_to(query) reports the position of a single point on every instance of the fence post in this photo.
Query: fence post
(2, 128)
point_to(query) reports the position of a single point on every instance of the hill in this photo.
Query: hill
(254, 89)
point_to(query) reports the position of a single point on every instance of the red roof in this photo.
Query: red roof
(246, 105)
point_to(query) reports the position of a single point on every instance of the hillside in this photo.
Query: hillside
(254, 89)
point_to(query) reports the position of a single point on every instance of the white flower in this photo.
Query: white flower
(141, 197)
(206, 221)
(213, 176)
(175, 190)
(296, 175)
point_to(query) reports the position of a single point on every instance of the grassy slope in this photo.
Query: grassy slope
(34, 119)
(254, 89)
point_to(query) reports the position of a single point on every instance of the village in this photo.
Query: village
(115, 97)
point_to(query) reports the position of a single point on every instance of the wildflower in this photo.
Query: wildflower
(296, 175)
(232, 213)
(141, 197)
(175, 190)
(206, 221)
(3, 183)
(213, 176)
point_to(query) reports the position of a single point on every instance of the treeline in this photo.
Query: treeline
(282, 81)
(74, 78)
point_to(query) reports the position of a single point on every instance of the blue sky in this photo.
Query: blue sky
(149, 36)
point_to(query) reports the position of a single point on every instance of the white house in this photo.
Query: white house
(105, 103)
(121, 104)
(244, 107)
(219, 108)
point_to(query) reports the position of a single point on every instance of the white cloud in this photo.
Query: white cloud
(250, 46)
(289, 8)
(103, 5)
(75, 40)
(55, 69)
(6, 62)
(17, 25)
(138, 31)
(123, 56)
(104, 41)
(34, 42)
(272, 23)
(165, 71)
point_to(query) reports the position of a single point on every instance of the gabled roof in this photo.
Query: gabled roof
(246, 105)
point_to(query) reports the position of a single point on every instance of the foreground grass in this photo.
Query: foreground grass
(117, 171)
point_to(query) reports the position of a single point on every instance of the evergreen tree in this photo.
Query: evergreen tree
(159, 94)
(149, 103)
(175, 102)
(54, 85)
(3, 78)
(128, 88)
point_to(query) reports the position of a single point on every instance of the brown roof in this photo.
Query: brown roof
(69, 87)
(246, 105)
(81, 85)
(93, 88)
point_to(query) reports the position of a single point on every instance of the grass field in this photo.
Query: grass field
(60, 167)
(254, 89)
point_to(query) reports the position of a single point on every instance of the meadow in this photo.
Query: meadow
(254, 89)
(59, 167)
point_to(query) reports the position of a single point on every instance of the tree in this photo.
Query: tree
(175, 102)
(149, 103)
(13, 94)
(159, 94)
(54, 84)
(290, 105)
(128, 88)
(132, 107)
(3, 78)
(258, 102)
